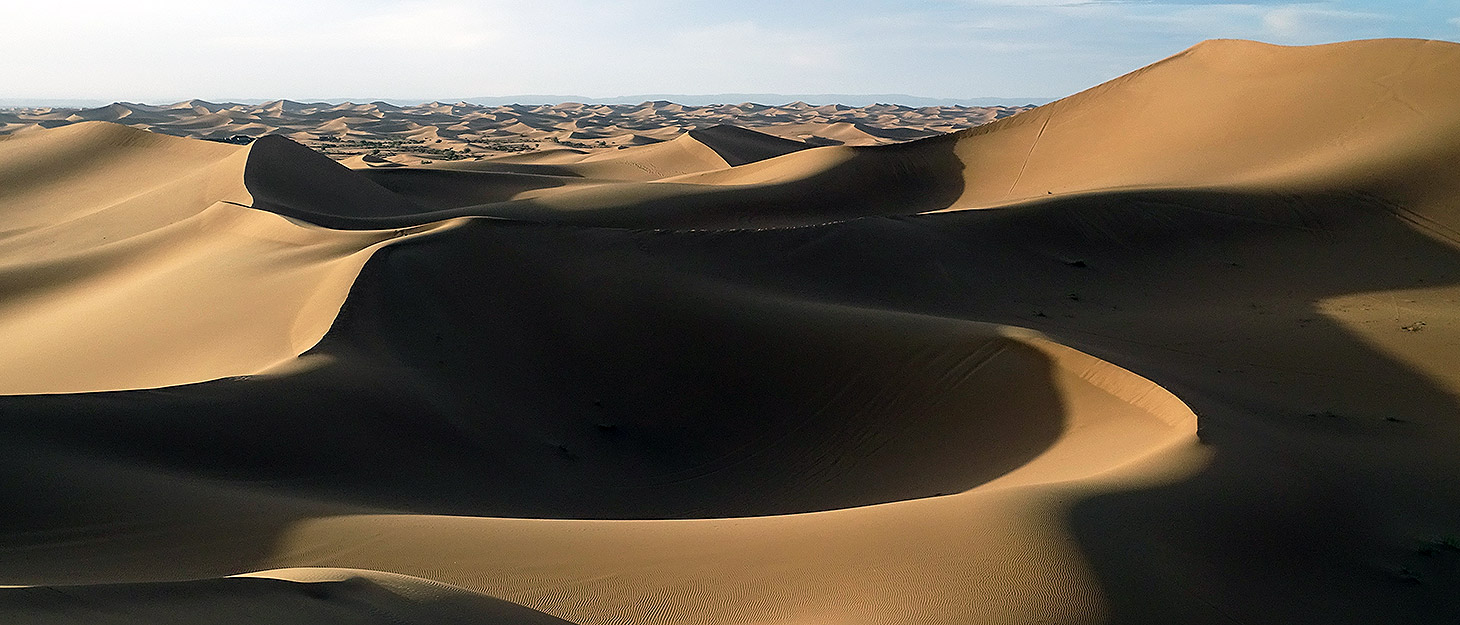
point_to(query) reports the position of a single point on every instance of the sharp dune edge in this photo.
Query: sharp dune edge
(1179, 348)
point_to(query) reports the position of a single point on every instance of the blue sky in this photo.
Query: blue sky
(161, 51)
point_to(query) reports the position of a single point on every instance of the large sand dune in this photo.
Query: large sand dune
(1180, 348)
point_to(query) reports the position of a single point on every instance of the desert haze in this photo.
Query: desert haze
(1180, 348)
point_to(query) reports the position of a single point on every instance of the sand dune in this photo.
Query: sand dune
(1179, 348)
(286, 596)
(413, 134)
(1314, 124)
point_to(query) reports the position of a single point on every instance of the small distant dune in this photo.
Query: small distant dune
(739, 146)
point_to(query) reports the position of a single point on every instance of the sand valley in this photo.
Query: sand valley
(1180, 348)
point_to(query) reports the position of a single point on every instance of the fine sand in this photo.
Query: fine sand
(1181, 348)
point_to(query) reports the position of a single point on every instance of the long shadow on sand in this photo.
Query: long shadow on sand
(522, 370)
(249, 600)
(292, 180)
(534, 370)
(1333, 461)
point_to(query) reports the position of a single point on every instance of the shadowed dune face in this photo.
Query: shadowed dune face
(801, 188)
(625, 425)
(1329, 422)
(283, 178)
(739, 146)
(1279, 318)
(444, 189)
(581, 377)
(363, 598)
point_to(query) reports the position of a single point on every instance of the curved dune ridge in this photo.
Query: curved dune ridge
(734, 378)
(1247, 113)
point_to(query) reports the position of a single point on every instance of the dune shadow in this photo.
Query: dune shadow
(512, 369)
(444, 189)
(532, 370)
(521, 370)
(896, 179)
(252, 600)
(1332, 458)
(1328, 495)
(740, 146)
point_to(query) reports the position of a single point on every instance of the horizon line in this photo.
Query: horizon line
(687, 99)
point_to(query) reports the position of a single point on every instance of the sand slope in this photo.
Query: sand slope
(1245, 113)
(1145, 355)
(302, 596)
(141, 265)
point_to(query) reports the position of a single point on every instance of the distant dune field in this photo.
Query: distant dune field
(1180, 348)
(385, 134)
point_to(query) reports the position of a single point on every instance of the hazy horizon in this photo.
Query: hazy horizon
(424, 50)
(687, 99)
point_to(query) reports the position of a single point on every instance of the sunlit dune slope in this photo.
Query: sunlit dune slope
(1224, 114)
(130, 259)
(1228, 113)
(1170, 358)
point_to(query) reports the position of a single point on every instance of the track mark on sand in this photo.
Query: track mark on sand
(1027, 155)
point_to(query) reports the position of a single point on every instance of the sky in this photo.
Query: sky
(419, 50)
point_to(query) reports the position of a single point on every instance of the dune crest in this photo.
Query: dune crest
(147, 245)
(1178, 348)
(1240, 113)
